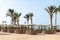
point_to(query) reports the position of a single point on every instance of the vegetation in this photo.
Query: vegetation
(50, 10)
(14, 16)
(55, 11)
(10, 13)
(29, 17)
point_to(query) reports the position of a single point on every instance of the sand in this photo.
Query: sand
(13, 36)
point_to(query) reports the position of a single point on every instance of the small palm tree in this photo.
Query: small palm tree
(30, 16)
(16, 18)
(50, 10)
(18, 15)
(10, 13)
(27, 17)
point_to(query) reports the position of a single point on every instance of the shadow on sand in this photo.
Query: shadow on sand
(4, 34)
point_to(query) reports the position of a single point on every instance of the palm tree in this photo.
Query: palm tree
(16, 17)
(27, 17)
(30, 16)
(10, 13)
(50, 10)
(55, 11)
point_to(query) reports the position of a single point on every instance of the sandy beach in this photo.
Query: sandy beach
(13, 36)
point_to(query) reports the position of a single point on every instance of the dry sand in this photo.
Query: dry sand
(13, 36)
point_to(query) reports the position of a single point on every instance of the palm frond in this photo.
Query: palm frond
(47, 10)
(19, 14)
(31, 14)
(59, 8)
(11, 11)
(8, 14)
(50, 9)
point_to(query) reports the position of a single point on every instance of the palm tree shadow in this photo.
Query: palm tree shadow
(4, 34)
(57, 34)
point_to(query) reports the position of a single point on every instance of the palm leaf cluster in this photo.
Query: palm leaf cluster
(14, 16)
(28, 17)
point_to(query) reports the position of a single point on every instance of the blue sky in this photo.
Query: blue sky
(26, 6)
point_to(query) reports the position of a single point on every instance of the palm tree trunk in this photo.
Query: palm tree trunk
(55, 18)
(15, 22)
(51, 21)
(18, 21)
(27, 21)
(31, 20)
(12, 21)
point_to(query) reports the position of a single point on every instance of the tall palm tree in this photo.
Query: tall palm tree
(27, 17)
(55, 11)
(30, 16)
(50, 10)
(10, 13)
